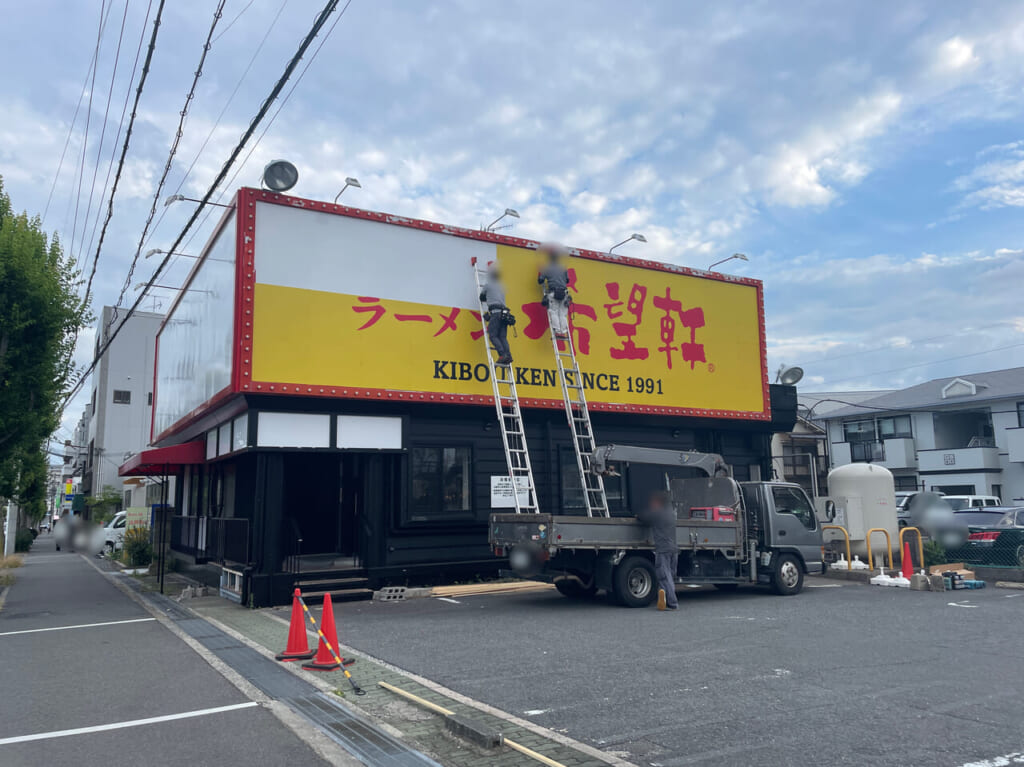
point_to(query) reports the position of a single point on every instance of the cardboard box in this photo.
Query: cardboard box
(955, 567)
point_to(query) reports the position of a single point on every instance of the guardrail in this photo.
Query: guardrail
(846, 535)
(888, 544)
(920, 543)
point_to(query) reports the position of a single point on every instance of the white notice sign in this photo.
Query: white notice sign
(501, 492)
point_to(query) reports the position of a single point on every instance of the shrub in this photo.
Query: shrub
(7, 563)
(23, 540)
(138, 551)
(934, 554)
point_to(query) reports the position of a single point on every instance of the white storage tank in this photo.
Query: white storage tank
(865, 497)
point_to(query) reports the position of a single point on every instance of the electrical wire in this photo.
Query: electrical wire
(228, 27)
(85, 139)
(124, 148)
(930, 362)
(74, 119)
(217, 14)
(321, 19)
(120, 125)
(103, 134)
(216, 123)
(284, 101)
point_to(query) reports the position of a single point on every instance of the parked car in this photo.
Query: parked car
(996, 537)
(903, 500)
(111, 535)
(958, 502)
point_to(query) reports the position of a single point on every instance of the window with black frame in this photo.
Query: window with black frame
(441, 483)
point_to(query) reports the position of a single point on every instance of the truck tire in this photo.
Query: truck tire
(633, 582)
(574, 589)
(788, 578)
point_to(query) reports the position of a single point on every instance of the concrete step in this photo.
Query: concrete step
(339, 595)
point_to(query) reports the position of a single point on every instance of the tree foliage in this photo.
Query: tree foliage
(40, 316)
(105, 504)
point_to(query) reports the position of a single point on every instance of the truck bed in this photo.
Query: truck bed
(549, 531)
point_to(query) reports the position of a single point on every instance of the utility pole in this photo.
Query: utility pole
(10, 528)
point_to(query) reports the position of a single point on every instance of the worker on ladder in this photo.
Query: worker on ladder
(498, 315)
(554, 281)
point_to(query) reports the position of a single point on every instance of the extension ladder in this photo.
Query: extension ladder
(580, 426)
(510, 417)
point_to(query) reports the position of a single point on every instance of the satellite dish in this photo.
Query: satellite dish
(789, 375)
(280, 176)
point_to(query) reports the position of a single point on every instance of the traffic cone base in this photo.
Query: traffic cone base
(661, 600)
(326, 660)
(298, 645)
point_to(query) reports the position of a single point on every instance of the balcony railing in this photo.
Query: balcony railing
(867, 451)
(963, 458)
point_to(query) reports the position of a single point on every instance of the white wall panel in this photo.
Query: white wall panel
(293, 430)
(299, 248)
(369, 432)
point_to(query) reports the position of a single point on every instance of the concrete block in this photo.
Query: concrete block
(938, 583)
(920, 583)
(474, 731)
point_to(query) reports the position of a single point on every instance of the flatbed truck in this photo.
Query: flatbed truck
(729, 533)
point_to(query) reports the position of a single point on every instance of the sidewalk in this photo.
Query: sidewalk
(267, 630)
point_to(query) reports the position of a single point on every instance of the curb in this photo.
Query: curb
(458, 697)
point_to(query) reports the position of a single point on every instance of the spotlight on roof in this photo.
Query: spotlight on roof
(789, 375)
(348, 182)
(280, 176)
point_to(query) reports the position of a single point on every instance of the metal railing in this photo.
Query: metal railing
(888, 543)
(920, 544)
(846, 535)
(211, 539)
(292, 540)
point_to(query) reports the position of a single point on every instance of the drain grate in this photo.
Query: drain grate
(366, 742)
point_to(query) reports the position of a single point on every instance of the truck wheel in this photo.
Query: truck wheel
(634, 583)
(788, 578)
(574, 589)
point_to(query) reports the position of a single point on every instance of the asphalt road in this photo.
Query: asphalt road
(101, 675)
(838, 675)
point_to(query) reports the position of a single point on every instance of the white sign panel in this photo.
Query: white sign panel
(501, 491)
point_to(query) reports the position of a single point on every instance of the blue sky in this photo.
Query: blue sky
(868, 157)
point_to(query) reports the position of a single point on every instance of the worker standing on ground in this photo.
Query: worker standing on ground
(498, 315)
(661, 517)
(554, 281)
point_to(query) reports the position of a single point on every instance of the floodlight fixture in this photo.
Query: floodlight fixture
(348, 182)
(280, 176)
(789, 375)
(508, 212)
(635, 236)
(738, 256)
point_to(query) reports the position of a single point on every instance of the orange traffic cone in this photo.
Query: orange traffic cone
(298, 646)
(907, 565)
(326, 657)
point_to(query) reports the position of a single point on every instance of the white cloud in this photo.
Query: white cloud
(955, 54)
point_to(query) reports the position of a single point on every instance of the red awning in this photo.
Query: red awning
(163, 460)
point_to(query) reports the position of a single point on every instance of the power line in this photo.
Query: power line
(88, 120)
(274, 93)
(74, 119)
(298, 80)
(217, 14)
(124, 148)
(223, 110)
(228, 27)
(120, 125)
(103, 131)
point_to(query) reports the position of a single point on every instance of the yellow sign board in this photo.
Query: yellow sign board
(356, 309)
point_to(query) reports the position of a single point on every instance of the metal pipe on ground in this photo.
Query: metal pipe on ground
(447, 712)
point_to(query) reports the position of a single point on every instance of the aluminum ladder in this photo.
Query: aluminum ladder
(580, 426)
(510, 417)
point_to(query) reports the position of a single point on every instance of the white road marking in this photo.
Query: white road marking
(79, 626)
(536, 711)
(1011, 596)
(122, 725)
(959, 604)
(824, 585)
(999, 761)
(446, 599)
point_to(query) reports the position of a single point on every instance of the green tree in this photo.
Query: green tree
(103, 506)
(40, 316)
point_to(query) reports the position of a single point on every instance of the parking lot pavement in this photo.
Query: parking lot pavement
(841, 674)
(61, 672)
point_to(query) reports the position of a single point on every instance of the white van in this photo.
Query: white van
(961, 502)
